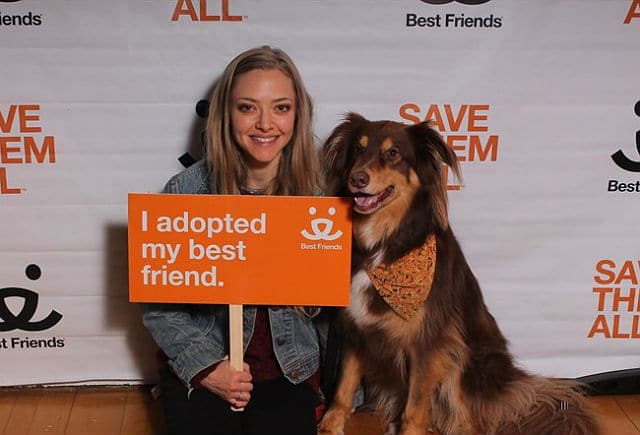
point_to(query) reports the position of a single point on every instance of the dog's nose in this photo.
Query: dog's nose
(359, 179)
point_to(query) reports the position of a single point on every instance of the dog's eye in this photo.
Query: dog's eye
(358, 148)
(392, 154)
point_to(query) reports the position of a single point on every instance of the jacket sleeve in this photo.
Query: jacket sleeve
(181, 336)
(189, 335)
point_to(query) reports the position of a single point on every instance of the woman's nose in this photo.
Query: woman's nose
(264, 121)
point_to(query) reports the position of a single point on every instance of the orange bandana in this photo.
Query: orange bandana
(405, 284)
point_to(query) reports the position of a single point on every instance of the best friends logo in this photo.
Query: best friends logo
(465, 129)
(453, 20)
(208, 11)
(21, 19)
(322, 229)
(22, 319)
(22, 143)
(630, 164)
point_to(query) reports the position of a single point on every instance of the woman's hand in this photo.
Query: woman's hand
(232, 385)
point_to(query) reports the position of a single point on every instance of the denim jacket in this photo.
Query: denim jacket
(195, 336)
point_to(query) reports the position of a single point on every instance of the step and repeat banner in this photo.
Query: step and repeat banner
(540, 101)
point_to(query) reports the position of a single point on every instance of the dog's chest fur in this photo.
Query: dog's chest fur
(359, 307)
(363, 293)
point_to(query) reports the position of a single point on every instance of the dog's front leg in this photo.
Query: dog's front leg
(425, 373)
(333, 421)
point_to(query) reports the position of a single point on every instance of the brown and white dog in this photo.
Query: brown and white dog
(417, 329)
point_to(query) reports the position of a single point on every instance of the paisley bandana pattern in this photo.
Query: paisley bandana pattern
(406, 283)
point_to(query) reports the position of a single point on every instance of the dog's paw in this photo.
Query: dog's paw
(332, 423)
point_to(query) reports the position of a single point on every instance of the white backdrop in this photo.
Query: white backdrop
(98, 100)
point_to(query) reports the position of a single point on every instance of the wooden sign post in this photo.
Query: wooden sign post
(239, 249)
(236, 345)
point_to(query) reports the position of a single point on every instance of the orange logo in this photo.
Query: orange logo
(18, 145)
(634, 12)
(204, 11)
(618, 295)
(464, 128)
(228, 249)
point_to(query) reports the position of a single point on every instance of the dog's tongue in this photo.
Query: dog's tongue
(366, 201)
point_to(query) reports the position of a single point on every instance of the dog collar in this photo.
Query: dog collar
(406, 283)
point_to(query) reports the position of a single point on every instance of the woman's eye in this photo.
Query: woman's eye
(283, 107)
(245, 107)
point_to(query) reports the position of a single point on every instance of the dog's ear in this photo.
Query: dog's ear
(335, 152)
(432, 152)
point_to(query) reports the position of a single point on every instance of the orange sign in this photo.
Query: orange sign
(228, 249)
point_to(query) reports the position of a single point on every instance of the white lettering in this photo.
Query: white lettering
(211, 226)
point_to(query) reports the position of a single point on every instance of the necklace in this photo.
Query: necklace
(250, 191)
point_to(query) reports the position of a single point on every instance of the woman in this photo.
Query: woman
(258, 141)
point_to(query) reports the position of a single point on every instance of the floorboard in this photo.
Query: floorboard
(612, 418)
(630, 405)
(132, 411)
(24, 409)
(53, 412)
(142, 415)
(97, 412)
(7, 403)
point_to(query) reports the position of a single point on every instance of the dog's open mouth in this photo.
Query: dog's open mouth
(365, 203)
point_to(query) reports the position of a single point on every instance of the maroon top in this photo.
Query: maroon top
(259, 354)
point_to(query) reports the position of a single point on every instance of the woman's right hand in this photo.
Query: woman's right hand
(232, 385)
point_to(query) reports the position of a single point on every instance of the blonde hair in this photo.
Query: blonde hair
(299, 168)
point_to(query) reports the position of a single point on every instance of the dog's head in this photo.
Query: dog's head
(387, 167)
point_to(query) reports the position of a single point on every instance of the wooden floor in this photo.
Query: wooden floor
(132, 411)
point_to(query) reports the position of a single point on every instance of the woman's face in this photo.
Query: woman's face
(263, 116)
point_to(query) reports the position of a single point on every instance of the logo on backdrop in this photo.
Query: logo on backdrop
(8, 19)
(617, 296)
(628, 162)
(464, 127)
(22, 319)
(22, 143)
(634, 12)
(450, 20)
(206, 10)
